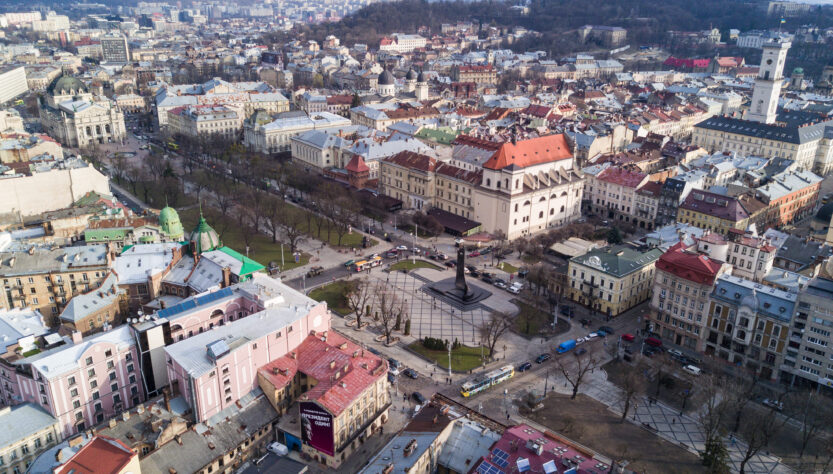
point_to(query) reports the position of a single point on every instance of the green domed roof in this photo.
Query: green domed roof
(260, 117)
(170, 223)
(64, 84)
(798, 70)
(204, 238)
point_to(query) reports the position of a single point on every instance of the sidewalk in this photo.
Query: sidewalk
(682, 430)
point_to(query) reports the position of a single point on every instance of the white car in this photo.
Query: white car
(692, 370)
(278, 449)
(514, 290)
(393, 371)
(591, 336)
(580, 341)
(401, 248)
(774, 404)
(416, 250)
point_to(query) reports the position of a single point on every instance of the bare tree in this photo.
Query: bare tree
(758, 432)
(272, 215)
(343, 216)
(493, 329)
(156, 165)
(390, 308)
(291, 220)
(575, 374)
(224, 196)
(633, 385)
(738, 393)
(814, 414)
(712, 415)
(119, 167)
(359, 298)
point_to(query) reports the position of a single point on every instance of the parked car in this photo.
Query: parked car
(654, 342)
(391, 254)
(675, 353)
(349, 262)
(581, 351)
(774, 404)
(580, 340)
(628, 337)
(395, 363)
(442, 256)
(500, 284)
(393, 371)
(607, 329)
(277, 449)
(474, 254)
(402, 248)
(410, 373)
(692, 369)
(591, 336)
(486, 278)
(418, 398)
(451, 263)
(514, 290)
(542, 358)
(524, 367)
(486, 251)
(374, 351)
(391, 378)
(523, 272)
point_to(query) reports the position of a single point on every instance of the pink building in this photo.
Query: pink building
(214, 369)
(85, 383)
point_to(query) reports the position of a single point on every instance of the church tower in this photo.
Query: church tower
(768, 83)
(421, 87)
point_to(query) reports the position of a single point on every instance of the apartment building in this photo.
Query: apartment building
(381, 116)
(269, 135)
(612, 193)
(205, 121)
(607, 36)
(683, 283)
(101, 308)
(409, 177)
(245, 97)
(486, 74)
(807, 355)
(341, 390)
(749, 325)
(750, 255)
(790, 196)
(714, 212)
(401, 43)
(30, 430)
(212, 370)
(613, 279)
(12, 83)
(46, 279)
(81, 381)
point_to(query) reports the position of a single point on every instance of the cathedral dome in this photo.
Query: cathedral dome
(64, 84)
(170, 223)
(386, 78)
(412, 75)
(421, 77)
(204, 238)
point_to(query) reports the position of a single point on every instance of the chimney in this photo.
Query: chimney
(77, 337)
(226, 277)
(275, 371)
(113, 422)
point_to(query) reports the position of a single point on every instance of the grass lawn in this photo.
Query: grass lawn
(530, 320)
(507, 267)
(31, 353)
(530, 259)
(409, 265)
(335, 294)
(261, 247)
(352, 240)
(463, 358)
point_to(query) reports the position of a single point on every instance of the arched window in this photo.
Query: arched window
(488, 182)
(527, 203)
(540, 214)
(542, 199)
(498, 184)
(564, 193)
(562, 209)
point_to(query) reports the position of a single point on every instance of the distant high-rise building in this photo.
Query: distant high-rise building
(114, 49)
(12, 83)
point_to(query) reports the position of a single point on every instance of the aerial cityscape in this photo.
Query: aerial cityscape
(384, 237)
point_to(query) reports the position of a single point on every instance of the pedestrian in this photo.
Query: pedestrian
(673, 421)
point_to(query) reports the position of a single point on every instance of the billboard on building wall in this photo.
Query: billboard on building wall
(317, 428)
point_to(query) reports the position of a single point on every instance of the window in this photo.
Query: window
(73, 393)
(112, 376)
(114, 387)
(71, 381)
(91, 373)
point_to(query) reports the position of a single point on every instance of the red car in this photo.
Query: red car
(627, 337)
(474, 254)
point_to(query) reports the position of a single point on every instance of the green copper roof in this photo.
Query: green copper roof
(443, 136)
(170, 223)
(204, 238)
(249, 266)
(104, 235)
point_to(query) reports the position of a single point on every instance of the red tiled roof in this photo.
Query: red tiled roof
(102, 455)
(357, 165)
(534, 151)
(686, 62)
(691, 266)
(716, 205)
(622, 177)
(540, 111)
(651, 188)
(553, 448)
(344, 99)
(412, 160)
(476, 142)
(323, 360)
(473, 177)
